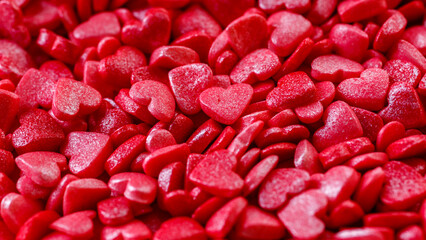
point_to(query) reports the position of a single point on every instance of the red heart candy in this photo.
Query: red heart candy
(403, 187)
(226, 105)
(367, 92)
(41, 167)
(73, 98)
(278, 186)
(215, 174)
(155, 95)
(38, 132)
(133, 230)
(290, 26)
(9, 105)
(247, 33)
(404, 106)
(14, 61)
(187, 83)
(145, 35)
(117, 69)
(101, 25)
(180, 228)
(78, 224)
(35, 88)
(294, 90)
(88, 152)
(302, 215)
(341, 124)
(16, 209)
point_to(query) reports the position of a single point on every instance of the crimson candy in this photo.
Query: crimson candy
(187, 120)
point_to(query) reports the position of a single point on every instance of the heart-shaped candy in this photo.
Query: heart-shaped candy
(294, 90)
(38, 132)
(88, 152)
(73, 98)
(78, 224)
(404, 106)
(403, 187)
(188, 82)
(341, 124)
(290, 26)
(101, 25)
(302, 215)
(367, 92)
(35, 88)
(226, 105)
(215, 174)
(41, 167)
(145, 35)
(157, 96)
(9, 105)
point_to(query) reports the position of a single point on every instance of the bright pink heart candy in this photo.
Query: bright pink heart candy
(188, 82)
(337, 117)
(226, 105)
(157, 96)
(88, 152)
(37, 226)
(41, 167)
(73, 98)
(294, 90)
(367, 92)
(170, 57)
(404, 106)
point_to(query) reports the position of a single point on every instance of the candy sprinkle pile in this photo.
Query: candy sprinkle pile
(212, 119)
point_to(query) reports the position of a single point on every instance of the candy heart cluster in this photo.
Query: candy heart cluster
(212, 119)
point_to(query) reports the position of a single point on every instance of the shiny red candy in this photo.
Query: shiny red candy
(212, 119)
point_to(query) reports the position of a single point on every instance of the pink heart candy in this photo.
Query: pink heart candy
(226, 105)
